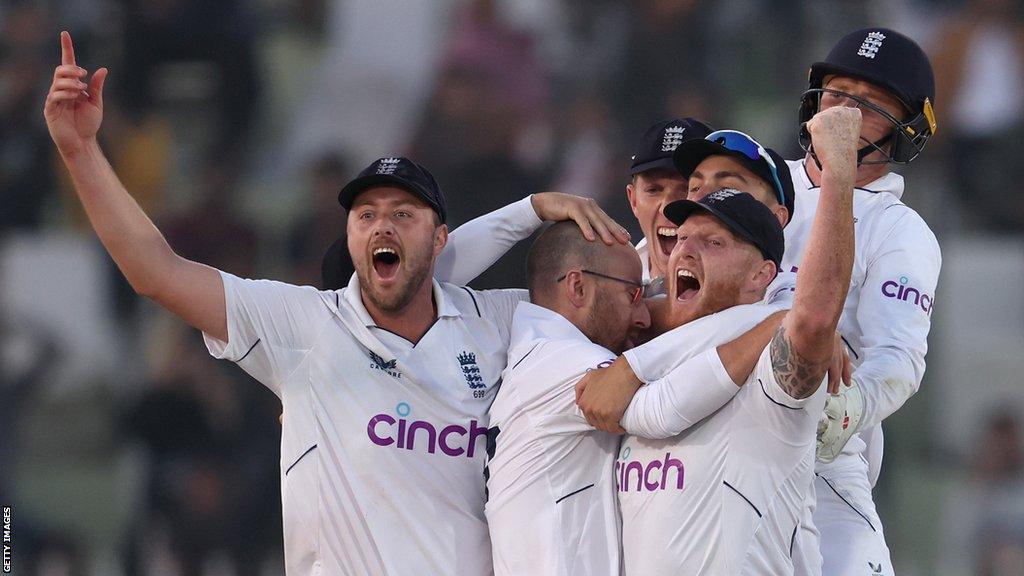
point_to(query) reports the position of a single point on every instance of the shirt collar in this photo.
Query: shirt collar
(532, 322)
(353, 295)
(891, 182)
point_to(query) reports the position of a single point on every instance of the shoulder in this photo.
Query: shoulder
(889, 221)
(565, 356)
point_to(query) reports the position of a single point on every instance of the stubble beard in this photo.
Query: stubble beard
(402, 295)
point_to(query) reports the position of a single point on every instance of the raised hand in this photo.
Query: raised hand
(74, 109)
(835, 133)
(592, 220)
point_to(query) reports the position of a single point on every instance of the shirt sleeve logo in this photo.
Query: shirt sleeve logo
(903, 291)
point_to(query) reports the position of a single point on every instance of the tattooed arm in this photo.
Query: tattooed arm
(802, 348)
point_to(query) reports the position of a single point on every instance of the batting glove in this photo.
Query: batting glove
(839, 422)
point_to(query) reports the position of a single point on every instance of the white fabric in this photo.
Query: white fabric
(887, 313)
(885, 320)
(644, 251)
(473, 247)
(551, 508)
(686, 395)
(852, 543)
(726, 496)
(382, 444)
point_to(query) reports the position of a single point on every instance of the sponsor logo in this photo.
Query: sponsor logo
(875, 568)
(872, 42)
(640, 476)
(401, 432)
(471, 371)
(672, 139)
(390, 367)
(387, 165)
(902, 290)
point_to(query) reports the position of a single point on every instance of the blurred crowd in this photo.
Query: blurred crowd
(234, 124)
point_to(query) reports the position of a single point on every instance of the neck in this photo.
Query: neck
(653, 268)
(413, 320)
(866, 173)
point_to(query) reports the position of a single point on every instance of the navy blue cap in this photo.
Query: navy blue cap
(402, 173)
(661, 140)
(741, 213)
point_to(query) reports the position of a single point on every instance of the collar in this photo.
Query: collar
(353, 296)
(531, 322)
(891, 182)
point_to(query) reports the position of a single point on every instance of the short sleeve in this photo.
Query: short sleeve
(271, 326)
(789, 419)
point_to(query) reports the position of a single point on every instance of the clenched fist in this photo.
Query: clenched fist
(835, 133)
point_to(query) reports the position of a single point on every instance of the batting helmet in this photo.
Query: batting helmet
(892, 61)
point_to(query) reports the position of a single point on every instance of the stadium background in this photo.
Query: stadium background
(124, 449)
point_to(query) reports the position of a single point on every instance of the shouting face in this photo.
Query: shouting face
(648, 194)
(712, 269)
(393, 237)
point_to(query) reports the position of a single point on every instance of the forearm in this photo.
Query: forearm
(476, 245)
(131, 238)
(190, 290)
(686, 395)
(824, 276)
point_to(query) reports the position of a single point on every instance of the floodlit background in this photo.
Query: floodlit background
(125, 450)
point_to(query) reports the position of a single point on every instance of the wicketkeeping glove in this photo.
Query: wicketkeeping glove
(839, 421)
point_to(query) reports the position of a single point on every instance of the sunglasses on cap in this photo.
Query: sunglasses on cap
(635, 295)
(737, 141)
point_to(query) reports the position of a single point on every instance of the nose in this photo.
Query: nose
(383, 227)
(641, 316)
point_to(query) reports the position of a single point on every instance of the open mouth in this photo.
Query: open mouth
(687, 285)
(385, 262)
(666, 239)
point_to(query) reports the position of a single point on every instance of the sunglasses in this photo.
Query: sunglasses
(737, 141)
(635, 295)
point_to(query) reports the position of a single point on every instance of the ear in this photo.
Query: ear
(631, 195)
(763, 275)
(440, 239)
(781, 213)
(575, 289)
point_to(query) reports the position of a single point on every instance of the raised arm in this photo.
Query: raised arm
(74, 112)
(802, 348)
(473, 247)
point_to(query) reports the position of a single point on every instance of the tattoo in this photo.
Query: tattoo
(796, 374)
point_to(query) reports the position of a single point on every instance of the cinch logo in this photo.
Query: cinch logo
(901, 291)
(650, 476)
(386, 430)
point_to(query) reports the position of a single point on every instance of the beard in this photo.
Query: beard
(604, 326)
(713, 299)
(416, 267)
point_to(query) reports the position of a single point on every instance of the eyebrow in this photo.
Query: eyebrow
(727, 173)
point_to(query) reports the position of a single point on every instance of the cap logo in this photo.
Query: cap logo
(673, 138)
(387, 165)
(872, 42)
(723, 194)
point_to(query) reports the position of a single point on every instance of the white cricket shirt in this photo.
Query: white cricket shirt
(551, 507)
(887, 313)
(383, 441)
(725, 496)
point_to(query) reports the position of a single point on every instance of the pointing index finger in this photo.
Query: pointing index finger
(67, 49)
